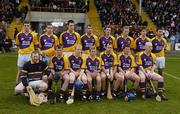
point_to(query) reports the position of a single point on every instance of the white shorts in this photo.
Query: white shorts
(67, 53)
(160, 62)
(34, 84)
(23, 58)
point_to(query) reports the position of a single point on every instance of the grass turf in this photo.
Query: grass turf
(17, 105)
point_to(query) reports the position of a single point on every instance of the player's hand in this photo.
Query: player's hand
(28, 88)
(79, 78)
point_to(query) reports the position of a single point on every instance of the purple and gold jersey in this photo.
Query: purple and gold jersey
(88, 41)
(48, 43)
(146, 61)
(34, 71)
(77, 63)
(159, 45)
(108, 61)
(122, 41)
(103, 41)
(69, 40)
(126, 63)
(26, 42)
(93, 64)
(140, 43)
(59, 64)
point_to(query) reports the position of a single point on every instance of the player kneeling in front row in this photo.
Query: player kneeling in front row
(126, 63)
(93, 64)
(33, 75)
(59, 66)
(146, 61)
(77, 66)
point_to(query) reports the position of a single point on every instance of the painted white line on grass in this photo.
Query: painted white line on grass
(170, 75)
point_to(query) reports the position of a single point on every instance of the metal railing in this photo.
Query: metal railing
(70, 10)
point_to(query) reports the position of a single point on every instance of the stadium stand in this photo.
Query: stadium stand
(164, 14)
(117, 12)
(60, 5)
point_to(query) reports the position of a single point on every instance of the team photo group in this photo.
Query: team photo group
(69, 67)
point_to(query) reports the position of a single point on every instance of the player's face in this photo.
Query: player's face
(148, 47)
(78, 50)
(49, 28)
(71, 27)
(108, 31)
(93, 52)
(127, 50)
(159, 32)
(89, 30)
(109, 48)
(59, 51)
(35, 57)
(143, 32)
(125, 32)
(26, 27)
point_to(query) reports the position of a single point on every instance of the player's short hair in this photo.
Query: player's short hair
(108, 26)
(48, 24)
(159, 28)
(92, 47)
(125, 27)
(59, 46)
(35, 52)
(144, 29)
(126, 46)
(109, 43)
(26, 22)
(70, 21)
(88, 26)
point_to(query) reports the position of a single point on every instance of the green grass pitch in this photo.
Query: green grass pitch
(10, 104)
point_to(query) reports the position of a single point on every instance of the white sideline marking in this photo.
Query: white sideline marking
(170, 75)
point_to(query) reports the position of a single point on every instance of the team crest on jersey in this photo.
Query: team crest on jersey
(66, 38)
(89, 63)
(96, 63)
(22, 38)
(72, 61)
(85, 41)
(44, 40)
(52, 40)
(144, 59)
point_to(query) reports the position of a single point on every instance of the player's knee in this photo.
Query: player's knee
(119, 78)
(89, 80)
(161, 79)
(71, 80)
(103, 77)
(18, 90)
(45, 78)
(142, 78)
(84, 80)
(98, 79)
(137, 79)
(66, 79)
(43, 86)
